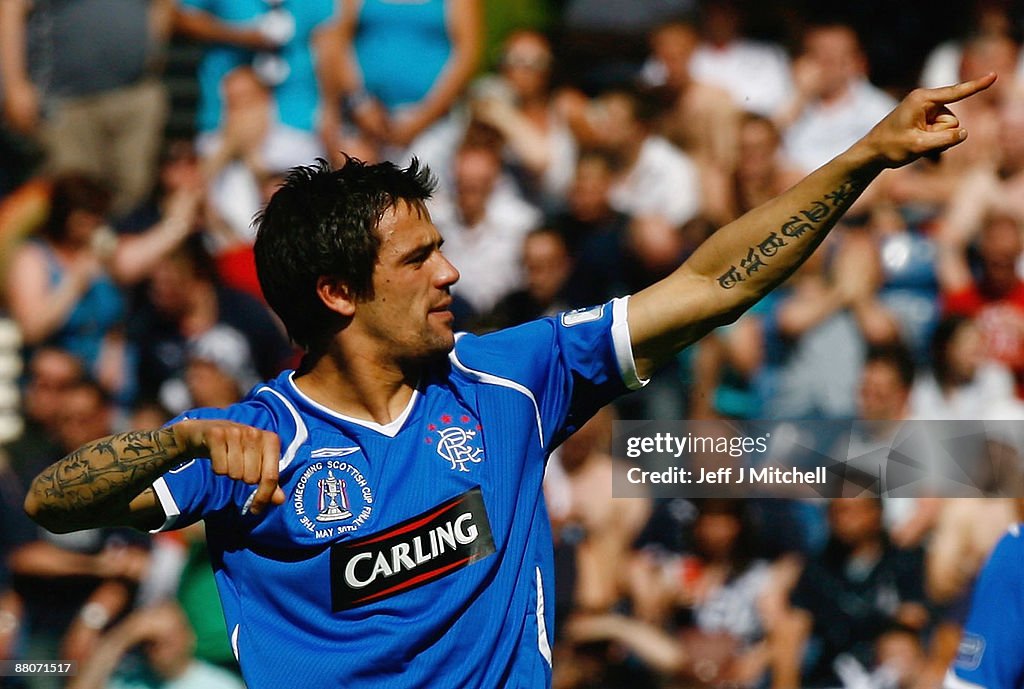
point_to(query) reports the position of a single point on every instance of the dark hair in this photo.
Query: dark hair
(178, 149)
(323, 222)
(646, 104)
(91, 385)
(482, 136)
(608, 159)
(754, 118)
(744, 549)
(194, 253)
(548, 230)
(941, 340)
(835, 552)
(895, 355)
(70, 192)
(679, 20)
(833, 23)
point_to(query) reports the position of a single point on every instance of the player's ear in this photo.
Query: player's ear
(336, 295)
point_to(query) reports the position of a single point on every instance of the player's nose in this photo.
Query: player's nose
(447, 274)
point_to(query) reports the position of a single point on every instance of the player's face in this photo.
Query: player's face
(409, 314)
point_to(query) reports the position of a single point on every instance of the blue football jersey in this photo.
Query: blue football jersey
(417, 553)
(991, 652)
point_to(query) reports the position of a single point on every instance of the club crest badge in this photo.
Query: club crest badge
(457, 442)
(332, 495)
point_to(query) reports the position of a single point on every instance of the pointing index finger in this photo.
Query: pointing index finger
(957, 92)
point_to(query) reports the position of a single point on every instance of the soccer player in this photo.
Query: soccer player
(989, 656)
(375, 518)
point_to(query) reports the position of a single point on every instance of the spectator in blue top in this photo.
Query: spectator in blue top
(276, 37)
(400, 66)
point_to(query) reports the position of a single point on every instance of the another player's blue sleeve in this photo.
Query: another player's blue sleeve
(192, 491)
(991, 653)
(571, 364)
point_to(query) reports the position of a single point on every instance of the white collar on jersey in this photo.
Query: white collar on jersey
(389, 429)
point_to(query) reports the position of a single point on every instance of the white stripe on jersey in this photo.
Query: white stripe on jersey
(289, 454)
(300, 429)
(542, 625)
(491, 379)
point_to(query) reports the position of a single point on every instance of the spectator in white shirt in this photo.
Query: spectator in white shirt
(700, 116)
(834, 102)
(657, 178)
(962, 382)
(756, 74)
(483, 225)
(989, 18)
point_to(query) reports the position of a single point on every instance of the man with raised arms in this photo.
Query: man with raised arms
(375, 518)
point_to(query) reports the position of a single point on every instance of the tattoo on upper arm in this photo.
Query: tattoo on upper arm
(114, 468)
(810, 219)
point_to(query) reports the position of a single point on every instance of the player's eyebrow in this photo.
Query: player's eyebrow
(421, 252)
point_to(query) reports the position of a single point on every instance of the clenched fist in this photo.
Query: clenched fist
(238, 451)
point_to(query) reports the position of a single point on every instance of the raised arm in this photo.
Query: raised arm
(959, 225)
(750, 256)
(108, 482)
(20, 99)
(204, 26)
(136, 256)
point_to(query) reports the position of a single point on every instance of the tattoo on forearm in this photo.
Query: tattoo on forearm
(111, 470)
(811, 219)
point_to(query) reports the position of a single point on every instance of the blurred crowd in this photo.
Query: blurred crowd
(583, 148)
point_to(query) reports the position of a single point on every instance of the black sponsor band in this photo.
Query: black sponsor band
(417, 551)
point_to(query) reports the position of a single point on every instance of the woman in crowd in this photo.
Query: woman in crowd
(60, 289)
(63, 285)
(400, 66)
(539, 145)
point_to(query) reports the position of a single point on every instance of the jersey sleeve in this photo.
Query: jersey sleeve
(991, 651)
(571, 364)
(191, 491)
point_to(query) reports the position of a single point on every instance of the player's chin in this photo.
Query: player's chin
(442, 334)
